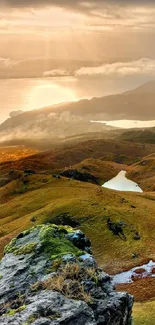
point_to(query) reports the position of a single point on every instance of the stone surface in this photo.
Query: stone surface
(48, 307)
(48, 253)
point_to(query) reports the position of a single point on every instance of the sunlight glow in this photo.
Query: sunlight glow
(48, 94)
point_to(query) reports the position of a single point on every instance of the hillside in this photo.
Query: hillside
(30, 195)
(141, 136)
(38, 198)
(45, 199)
(143, 173)
(13, 153)
(76, 116)
(35, 196)
(66, 155)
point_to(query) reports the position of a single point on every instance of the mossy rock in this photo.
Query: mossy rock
(12, 312)
(45, 239)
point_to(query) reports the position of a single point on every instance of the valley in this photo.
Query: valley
(36, 193)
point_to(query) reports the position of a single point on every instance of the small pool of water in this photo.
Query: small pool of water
(121, 183)
(139, 272)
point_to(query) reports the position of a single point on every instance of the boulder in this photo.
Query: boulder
(47, 277)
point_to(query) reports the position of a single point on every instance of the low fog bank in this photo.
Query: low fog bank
(74, 118)
(54, 128)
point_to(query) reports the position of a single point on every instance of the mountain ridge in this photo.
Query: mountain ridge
(74, 117)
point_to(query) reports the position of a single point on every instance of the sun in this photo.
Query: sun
(48, 93)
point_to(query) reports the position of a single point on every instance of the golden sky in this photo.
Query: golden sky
(77, 29)
(113, 40)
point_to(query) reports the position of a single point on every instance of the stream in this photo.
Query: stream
(139, 272)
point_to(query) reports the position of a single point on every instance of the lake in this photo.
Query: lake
(121, 183)
(128, 124)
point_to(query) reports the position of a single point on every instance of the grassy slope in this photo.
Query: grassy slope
(44, 198)
(141, 136)
(144, 314)
(103, 170)
(91, 205)
(143, 173)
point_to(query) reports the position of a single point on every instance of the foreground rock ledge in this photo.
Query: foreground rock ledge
(49, 277)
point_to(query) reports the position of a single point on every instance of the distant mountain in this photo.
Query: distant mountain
(73, 118)
(15, 113)
(148, 87)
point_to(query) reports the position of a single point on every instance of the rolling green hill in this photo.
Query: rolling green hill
(34, 197)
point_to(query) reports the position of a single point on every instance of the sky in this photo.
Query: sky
(82, 30)
(113, 40)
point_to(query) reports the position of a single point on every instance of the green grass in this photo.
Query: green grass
(103, 170)
(144, 313)
(91, 205)
(143, 173)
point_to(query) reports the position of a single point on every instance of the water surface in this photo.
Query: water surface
(121, 183)
(144, 271)
(128, 124)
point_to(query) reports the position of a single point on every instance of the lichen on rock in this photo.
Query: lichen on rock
(49, 276)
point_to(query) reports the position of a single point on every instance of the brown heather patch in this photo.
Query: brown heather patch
(68, 154)
(68, 282)
(142, 289)
(140, 271)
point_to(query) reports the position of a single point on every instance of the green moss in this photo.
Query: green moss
(27, 249)
(57, 248)
(12, 312)
(54, 242)
(9, 248)
(31, 319)
(68, 229)
(26, 232)
(19, 250)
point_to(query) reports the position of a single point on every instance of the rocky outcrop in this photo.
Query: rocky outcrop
(79, 176)
(49, 277)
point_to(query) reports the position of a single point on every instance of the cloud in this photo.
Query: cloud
(57, 73)
(92, 7)
(119, 69)
(81, 3)
(6, 63)
(142, 67)
(81, 15)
